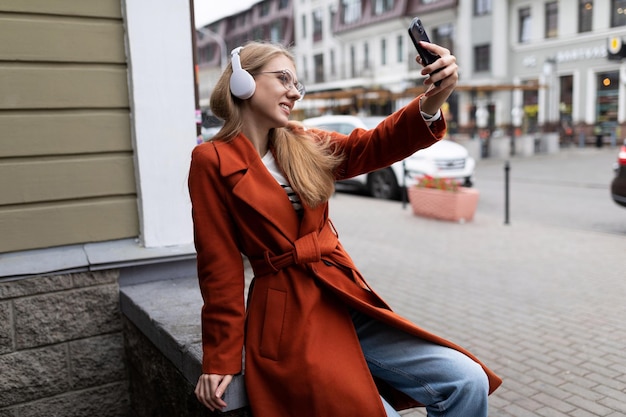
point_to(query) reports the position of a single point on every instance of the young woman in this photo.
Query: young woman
(318, 340)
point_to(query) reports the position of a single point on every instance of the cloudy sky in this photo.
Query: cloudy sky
(207, 11)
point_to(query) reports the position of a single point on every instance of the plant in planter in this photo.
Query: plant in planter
(443, 198)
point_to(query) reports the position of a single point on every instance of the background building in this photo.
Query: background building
(526, 67)
(566, 50)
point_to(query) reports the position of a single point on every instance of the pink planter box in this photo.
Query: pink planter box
(456, 206)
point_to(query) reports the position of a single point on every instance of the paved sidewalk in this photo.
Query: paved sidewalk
(543, 306)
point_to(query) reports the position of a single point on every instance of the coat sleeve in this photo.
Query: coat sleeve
(220, 266)
(397, 137)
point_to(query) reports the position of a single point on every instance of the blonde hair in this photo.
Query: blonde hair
(307, 160)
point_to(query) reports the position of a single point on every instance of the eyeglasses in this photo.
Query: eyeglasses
(287, 78)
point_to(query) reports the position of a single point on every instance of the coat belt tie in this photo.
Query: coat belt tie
(308, 248)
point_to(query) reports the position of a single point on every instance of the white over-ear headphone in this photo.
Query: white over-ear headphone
(242, 84)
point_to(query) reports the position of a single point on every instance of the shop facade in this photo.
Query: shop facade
(581, 88)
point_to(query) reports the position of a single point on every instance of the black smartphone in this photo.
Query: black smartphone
(417, 34)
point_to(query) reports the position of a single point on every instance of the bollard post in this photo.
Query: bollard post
(405, 192)
(507, 169)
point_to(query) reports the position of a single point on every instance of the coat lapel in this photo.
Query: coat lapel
(251, 182)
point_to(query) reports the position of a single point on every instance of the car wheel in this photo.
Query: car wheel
(468, 182)
(383, 184)
(618, 188)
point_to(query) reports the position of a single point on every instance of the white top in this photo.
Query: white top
(272, 167)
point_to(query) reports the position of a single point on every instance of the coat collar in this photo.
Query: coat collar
(251, 182)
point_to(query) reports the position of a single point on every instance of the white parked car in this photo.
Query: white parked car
(444, 159)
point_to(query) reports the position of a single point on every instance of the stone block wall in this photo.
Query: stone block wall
(157, 387)
(62, 347)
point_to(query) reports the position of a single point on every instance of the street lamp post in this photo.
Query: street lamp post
(549, 70)
(220, 41)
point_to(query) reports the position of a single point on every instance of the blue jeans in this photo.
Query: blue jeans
(446, 381)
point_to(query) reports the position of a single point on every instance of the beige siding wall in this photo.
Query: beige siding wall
(66, 157)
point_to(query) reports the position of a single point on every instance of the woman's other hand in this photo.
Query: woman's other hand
(210, 389)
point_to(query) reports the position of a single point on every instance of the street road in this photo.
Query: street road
(569, 189)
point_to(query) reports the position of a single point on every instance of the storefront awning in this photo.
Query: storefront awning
(499, 87)
(381, 93)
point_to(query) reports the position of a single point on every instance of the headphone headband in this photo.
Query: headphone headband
(236, 51)
(242, 84)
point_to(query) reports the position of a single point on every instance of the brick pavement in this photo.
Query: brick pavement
(543, 306)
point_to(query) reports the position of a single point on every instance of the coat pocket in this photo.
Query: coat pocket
(273, 323)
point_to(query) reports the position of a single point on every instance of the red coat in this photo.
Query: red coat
(302, 355)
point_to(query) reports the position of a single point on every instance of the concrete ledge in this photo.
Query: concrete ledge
(98, 256)
(167, 312)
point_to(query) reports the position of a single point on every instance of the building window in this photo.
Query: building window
(400, 48)
(585, 15)
(383, 51)
(482, 58)
(566, 83)
(282, 4)
(317, 25)
(443, 35)
(552, 19)
(618, 13)
(350, 11)
(525, 23)
(318, 63)
(240, 20)
(482, 7)
(530, 98)
(607, 101)
(304, 26)
(276, 31)
(333, 64)
(265, 8)
(382, 6)
(257, 34)
(366, 55)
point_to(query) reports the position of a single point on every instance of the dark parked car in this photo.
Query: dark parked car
(618, 186)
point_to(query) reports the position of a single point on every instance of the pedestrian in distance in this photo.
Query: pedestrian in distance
(318, 341)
